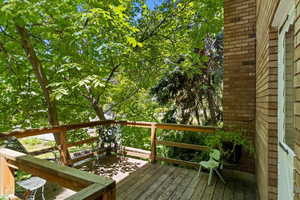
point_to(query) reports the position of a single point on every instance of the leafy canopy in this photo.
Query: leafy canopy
(104, 54)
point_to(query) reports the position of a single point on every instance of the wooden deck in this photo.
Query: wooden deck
(159, 182)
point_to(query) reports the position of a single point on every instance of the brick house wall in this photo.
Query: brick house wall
(250, 83)
(239, 69)
(266, 101)
(266, 114)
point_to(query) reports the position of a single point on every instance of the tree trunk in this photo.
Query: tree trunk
(204, 109)
(211, 106)
(41, 77)
(94, 101)
(184, 117)
(197, 116)
(99, 110)
(43, 82)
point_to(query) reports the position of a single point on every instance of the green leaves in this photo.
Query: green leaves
(80, 43)
(223, 137)
(59, 93)
(92, 80)
(132, 41)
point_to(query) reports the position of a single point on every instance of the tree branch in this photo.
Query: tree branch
(123, 100)
(94, 103)
(6, 34)
(155, 30)
(108, 79)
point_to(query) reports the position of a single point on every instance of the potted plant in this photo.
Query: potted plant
(110, 139)
(230, 143)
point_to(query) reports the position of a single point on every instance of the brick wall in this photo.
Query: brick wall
(266, 115)
(297, 96)
(250, 83)
(239, 69)
(247, 65)
(266, 101)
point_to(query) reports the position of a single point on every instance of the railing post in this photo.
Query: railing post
(113, 194)
(7, 178)
(110, 195)
(64, 153)
(153, 144)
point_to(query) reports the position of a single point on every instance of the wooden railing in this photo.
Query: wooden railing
(150, 125)
(89, 186)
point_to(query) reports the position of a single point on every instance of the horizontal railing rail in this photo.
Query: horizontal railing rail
(89, 186)
(183, 145)
(63, 128)
(64, 145)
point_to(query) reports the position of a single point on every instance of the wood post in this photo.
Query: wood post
(110, 195)
(153, 144)
(64, 153)
(7, 178)
(113, 194)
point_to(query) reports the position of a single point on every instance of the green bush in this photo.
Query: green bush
(136, 137)
(228, 142)
(21, 175)
(234, 138)
(77, 135)
(182, 137)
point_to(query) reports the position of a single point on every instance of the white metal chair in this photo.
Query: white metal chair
(32, 185)
(212, 164)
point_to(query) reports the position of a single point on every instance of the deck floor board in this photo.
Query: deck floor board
(219, 191)
(156, 182)
(155, 195)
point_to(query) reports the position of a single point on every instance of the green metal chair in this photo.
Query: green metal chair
(212, 165)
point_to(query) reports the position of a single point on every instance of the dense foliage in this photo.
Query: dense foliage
(192, 93)
(183, 137)
(74, 60)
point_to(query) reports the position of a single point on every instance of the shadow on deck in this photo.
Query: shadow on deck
(158, 182)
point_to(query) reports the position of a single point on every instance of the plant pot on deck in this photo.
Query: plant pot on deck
(234, 157)
(231, 144)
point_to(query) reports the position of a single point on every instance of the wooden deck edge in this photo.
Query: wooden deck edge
(94, 191)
